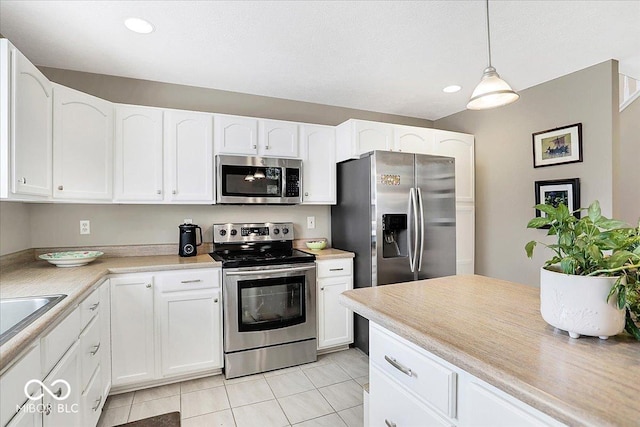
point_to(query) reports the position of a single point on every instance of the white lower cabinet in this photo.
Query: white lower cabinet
(165, 325)
(409, 386)
(335, 322)
(63, 406)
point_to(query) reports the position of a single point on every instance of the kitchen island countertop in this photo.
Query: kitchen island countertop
(493, 329)
(41, 278)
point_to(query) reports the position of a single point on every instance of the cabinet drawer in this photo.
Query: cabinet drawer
(58, 341)
(13, 381)
(92, 400)
(334, 267)
(90, 352)
(188, 280)
(410, 366)
(390, 404)
(89, 308)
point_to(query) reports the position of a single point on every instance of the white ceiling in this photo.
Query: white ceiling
(386, 56)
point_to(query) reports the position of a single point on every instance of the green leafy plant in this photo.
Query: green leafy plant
(595, 246)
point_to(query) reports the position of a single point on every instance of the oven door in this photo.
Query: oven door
(258, 180)
(268, 305)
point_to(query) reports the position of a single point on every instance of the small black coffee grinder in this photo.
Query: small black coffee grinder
(188, 240)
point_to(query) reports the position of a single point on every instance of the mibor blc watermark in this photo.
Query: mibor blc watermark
(59, 394)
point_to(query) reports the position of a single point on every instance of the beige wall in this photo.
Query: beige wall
(59, 224)
(627, 172)
(15, 229)
(505, 174)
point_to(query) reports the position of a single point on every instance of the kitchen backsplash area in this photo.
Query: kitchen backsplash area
(58, 225)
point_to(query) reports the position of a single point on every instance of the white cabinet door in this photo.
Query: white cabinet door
(190, 330)
(392, 405)
(371, 136)
(465, 238)
(411, 139)
(82, 146)
(132, 329)
(64, 380)
(335, 322)
(31, 124)
(236, 135)
(28, 415)
(461, 147)
(138, 154)
(318, 146)
(189, 157)
(278, 139)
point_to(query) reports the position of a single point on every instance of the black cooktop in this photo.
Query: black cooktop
(252, 255)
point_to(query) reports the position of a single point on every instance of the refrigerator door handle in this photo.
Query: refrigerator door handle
(413, 210)
(421, 209)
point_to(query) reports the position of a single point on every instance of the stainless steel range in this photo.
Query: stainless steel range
(269, 299)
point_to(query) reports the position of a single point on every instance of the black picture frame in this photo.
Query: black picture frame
(557, 146)
(560, 190)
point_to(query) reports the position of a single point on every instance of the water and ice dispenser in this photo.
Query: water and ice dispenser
(394, 231)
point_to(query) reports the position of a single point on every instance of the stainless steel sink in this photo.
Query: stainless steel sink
(17, 313)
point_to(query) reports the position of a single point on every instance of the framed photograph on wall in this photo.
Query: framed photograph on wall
(557, 146)
(558, 191)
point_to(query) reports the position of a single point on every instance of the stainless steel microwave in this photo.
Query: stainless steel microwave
(258, 180)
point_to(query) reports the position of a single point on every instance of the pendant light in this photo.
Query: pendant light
(492, 91)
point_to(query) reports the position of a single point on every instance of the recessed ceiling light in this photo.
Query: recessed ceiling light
(138, 25)
(451, 89)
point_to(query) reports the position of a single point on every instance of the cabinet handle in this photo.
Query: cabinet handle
(322, 288)
(98, 402)
(22, 180)
(96, 347)
(148, 285)
(191, 281)
(159, 192)
(306, 194)
(215, 300)
(174, 192)
(47, 409)
(389, 423)
(59, 392)
(60, 187)
(255, 146)
(336, 269)
(393, 362)
(94, 306)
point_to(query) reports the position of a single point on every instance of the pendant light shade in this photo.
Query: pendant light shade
(492, 91)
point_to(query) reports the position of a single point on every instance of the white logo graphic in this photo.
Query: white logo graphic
(57, 395)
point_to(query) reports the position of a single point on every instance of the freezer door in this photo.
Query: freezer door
(435, 188)
(392, 180)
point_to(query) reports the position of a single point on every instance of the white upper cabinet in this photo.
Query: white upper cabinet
(138, 154)
(411, 139)
(82, 145)
(356, 137)
(317, 144)
(189, 156)
(236, 135)
(461, 147)
(255, 137)
(278, 139)
(26, 100)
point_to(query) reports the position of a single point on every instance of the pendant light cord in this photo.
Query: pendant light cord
(488, 35)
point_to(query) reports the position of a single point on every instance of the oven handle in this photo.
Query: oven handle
(261, 272)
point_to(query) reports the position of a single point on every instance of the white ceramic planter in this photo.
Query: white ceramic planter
(578, 304)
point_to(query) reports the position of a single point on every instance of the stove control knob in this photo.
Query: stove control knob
(223, 232)
(276, 231)
(234, 231)
(285, 231)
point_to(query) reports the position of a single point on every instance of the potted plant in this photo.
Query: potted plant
(591, 285)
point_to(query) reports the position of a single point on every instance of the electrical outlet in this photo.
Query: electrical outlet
(85, 226)
(311, 222)
(188, 221)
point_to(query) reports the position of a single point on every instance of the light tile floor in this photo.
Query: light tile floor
(324, 393)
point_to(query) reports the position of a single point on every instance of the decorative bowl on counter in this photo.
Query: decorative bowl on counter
(316, 245)
(71, 258)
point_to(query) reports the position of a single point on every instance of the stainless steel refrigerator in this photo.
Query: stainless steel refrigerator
(396, 212)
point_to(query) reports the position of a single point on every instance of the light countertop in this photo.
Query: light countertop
(328, 253)
(41, 278)
(493, 329)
